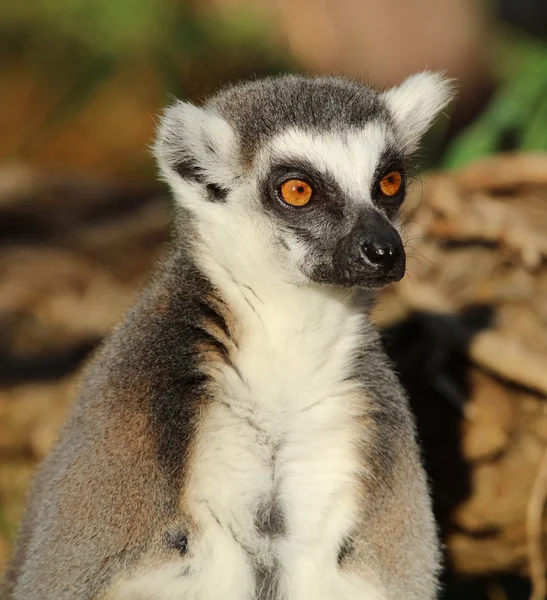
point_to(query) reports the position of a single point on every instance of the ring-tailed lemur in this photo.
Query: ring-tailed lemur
(242, 435)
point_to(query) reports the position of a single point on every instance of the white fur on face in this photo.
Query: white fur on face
(350, 156)
(242, 237)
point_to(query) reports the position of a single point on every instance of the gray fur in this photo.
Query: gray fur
(263, 108)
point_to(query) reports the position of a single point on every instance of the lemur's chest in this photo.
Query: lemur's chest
(278, 457)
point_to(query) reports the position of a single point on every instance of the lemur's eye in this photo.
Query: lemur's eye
(391, 183)
(296, 192)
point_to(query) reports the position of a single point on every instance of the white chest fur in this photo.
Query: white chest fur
(280, 444)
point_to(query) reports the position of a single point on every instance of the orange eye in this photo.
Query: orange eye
(391, 183)
(296, 192)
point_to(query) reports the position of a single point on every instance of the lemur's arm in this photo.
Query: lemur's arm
(109, 494)
(95, 509)
(397, 540)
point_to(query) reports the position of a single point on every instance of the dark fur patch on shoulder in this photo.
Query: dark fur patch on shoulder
(177, 540)
(155, 361)
(210, 313)
(211, 342)
(345, 551)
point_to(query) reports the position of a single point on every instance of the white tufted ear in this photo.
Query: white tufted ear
(198, 146)
(415, 103)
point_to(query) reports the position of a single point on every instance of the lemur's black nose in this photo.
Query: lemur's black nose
(381, 254)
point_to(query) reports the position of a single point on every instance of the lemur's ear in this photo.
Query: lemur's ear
(196, 146)
(415, 103)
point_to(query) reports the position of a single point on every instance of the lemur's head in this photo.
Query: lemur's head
(298, 177)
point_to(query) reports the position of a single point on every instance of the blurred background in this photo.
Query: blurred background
(83, 218)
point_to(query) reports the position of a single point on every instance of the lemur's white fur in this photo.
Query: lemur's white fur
(295, 363)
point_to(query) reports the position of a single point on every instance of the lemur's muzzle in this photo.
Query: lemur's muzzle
(373, 253)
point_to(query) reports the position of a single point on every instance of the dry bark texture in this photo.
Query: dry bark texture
(74, 252)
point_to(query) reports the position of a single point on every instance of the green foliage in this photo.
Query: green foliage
(77, 45)
(516, 117)
(70, 34)
(113, 26)
(123, 27)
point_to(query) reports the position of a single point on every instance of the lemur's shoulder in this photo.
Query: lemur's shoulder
(124, 448)
(151, 366)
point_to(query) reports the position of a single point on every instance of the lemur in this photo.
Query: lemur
(242, 435)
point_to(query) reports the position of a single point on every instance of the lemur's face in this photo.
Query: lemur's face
(301, 178)
(333, 200)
